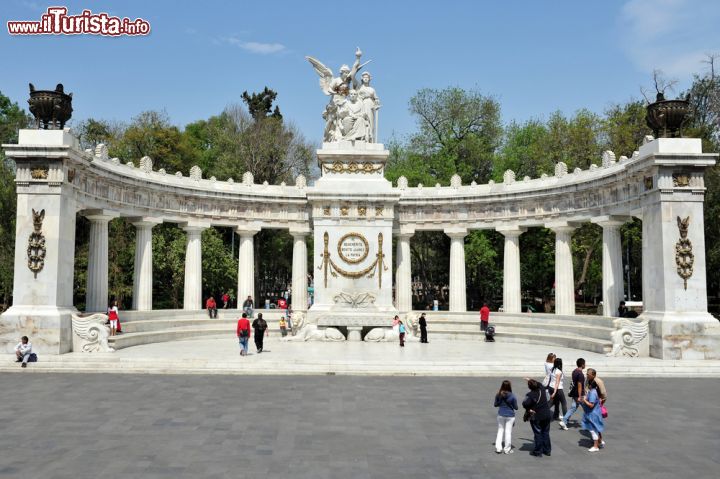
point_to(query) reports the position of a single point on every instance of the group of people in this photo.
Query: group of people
(544, 401)
(211, 305)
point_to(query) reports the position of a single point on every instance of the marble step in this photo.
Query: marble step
(550, 327)
(565, 340)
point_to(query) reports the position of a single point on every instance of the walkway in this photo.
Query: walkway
(439, 358)
(177, 427)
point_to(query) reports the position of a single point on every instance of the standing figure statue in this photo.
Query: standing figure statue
(338, 109)
(370, 102)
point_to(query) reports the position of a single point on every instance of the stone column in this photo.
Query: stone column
(192, 299)
(564, 278)
(457, 285)
(512, 298)
(96, 298)
(246, 265)
(299, 269)
(403, 275)
(612, 268)
(142, 279)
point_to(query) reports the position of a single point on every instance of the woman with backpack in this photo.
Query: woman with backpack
(557, 397)
(537, 411)
(507, 403)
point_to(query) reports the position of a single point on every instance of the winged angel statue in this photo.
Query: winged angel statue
(351, 113)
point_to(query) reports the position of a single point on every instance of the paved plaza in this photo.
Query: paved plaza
(153, 426)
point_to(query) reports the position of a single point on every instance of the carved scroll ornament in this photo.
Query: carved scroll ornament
(36, 244)
(684, 257)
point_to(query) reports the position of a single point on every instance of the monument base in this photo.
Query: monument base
(683, 335)
(354, 323)
(49, 328)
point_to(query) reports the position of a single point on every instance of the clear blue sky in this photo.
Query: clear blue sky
(533, 56)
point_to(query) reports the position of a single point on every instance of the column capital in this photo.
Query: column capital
(145, 221)
(247, 230)
(562, 226)
(456, 232)
(405, 231)
(299, 231)
(192, 226)
(99, 215)
(610, 220)
(511, 230)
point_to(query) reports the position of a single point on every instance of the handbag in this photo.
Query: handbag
(603, 411)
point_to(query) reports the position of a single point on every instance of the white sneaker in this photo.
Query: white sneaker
(509, 451)
(563, 426)
(498, 451)
(593, 449)
(602, 444)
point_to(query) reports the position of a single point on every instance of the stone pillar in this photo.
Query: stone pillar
(403, 275)
(612, 268)
(142, 279)
(512, 298)
(96, 298)
(564, 277)
(192, 299)
(457, 285)
(299, 269)
(246, 265)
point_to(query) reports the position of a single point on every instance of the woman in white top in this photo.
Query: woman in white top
(549, 364)
(557, 379)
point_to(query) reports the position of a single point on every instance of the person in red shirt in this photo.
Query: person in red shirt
(484, 317)
(211, 307)
(243, 334)
(226, 300)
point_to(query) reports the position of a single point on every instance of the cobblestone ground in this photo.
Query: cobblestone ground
(117, 426)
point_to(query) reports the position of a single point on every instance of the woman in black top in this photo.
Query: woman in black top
(537, 410)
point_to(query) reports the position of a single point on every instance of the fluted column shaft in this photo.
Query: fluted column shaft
(97, 269)
(143, 274)
(192, 299)
(512, 297)
(403, 276)
(458, 303)
(564, 277)
(299, 271)
(246, 265)
(612, 268)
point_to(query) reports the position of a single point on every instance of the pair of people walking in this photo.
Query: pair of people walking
(243, 333)
(591, 395)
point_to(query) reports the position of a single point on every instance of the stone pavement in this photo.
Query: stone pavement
(439, 358)
(153, 426)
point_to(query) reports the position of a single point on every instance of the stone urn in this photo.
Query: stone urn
(667, 117)
(51, 109)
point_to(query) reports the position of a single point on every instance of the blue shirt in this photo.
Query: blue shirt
(507, 404)
(402, 328)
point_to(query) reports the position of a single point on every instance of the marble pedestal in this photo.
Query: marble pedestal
(353, 213)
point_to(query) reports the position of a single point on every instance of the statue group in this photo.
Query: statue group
(352, 112)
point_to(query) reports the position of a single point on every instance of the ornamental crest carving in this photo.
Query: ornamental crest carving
(352, 167)
(684, 257)
(36, 244)
(39, 173)
(681, 180)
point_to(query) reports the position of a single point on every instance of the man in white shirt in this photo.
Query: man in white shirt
(23, 350)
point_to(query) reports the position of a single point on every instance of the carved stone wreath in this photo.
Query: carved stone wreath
(353, 260)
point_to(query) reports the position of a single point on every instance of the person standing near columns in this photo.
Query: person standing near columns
(422, 322)
(484, 317)
(114, 318)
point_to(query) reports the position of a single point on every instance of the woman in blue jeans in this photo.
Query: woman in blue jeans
(537, 407)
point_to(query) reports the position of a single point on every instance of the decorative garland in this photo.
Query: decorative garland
(377, 265)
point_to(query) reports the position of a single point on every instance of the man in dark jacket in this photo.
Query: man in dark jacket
(537, 406)
(423, 328)
(261, 328)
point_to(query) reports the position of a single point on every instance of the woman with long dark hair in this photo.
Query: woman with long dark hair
(557, 379)
(507, 403)
(592, 420)
(537, 411)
